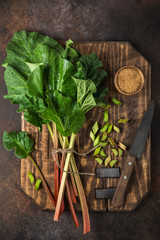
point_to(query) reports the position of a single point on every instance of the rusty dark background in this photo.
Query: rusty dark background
(137, 21)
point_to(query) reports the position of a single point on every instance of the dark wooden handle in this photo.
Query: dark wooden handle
(124, 179)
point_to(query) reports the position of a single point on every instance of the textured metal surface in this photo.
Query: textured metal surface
(140, 139)
(136, 21)
(107, 172)
(106, 193)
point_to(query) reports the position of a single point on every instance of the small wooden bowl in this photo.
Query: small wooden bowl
(117, 85)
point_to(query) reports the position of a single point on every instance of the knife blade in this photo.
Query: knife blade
(108, 172)
(136, 152)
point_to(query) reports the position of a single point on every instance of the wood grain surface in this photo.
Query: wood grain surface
(113, 55)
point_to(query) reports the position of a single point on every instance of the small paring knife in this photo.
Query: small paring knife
(136, 152)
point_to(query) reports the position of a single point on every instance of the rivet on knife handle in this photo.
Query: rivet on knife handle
(118, 198)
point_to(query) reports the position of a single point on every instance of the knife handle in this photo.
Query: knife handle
(123, 181)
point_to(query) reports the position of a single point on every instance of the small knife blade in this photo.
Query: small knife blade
(136, 151)
(140, 139)
(108, 172)
(105, 193)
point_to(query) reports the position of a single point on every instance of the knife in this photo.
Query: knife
(136, 152)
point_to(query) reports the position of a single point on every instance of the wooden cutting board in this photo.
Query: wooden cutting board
(114, 55)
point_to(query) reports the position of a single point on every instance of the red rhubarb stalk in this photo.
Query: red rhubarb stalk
(86, 220)
(73, 182)
(64, 178)
(56, 168)
(69, 194)
(61, 172)
(73, 197)
(69, 198)
(85, 213)
(69, 190)
(63, 141)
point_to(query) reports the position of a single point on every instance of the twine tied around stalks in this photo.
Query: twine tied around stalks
(71, 150)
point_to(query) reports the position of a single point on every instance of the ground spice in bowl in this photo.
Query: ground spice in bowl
(129, 80)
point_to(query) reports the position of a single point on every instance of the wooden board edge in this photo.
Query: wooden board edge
(135, 206)
(139, 53)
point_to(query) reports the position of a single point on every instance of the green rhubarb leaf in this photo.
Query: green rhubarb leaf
(70, 53)
(102, 153)
(85, 91)
(23, 101)
(20, 50)
(97, 150)
(35, 83)
(20, 141)
(38, 67)
(115, 101)
(100, 95)
(64, 112)
(89, 67)
(112, 163)
(33, 118)
(105, 127)
(36, 104)
(60, 77)
(114, 151)
(92, 136)
(95, 128)
(23, 43)
(38, 183)
(92, 67)
(96, 141)
(15, 82)
(31, 177)
(33, 66)
(18, 88)
(33, 49)
(105, 119)
(99, 160)
(89, 103)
